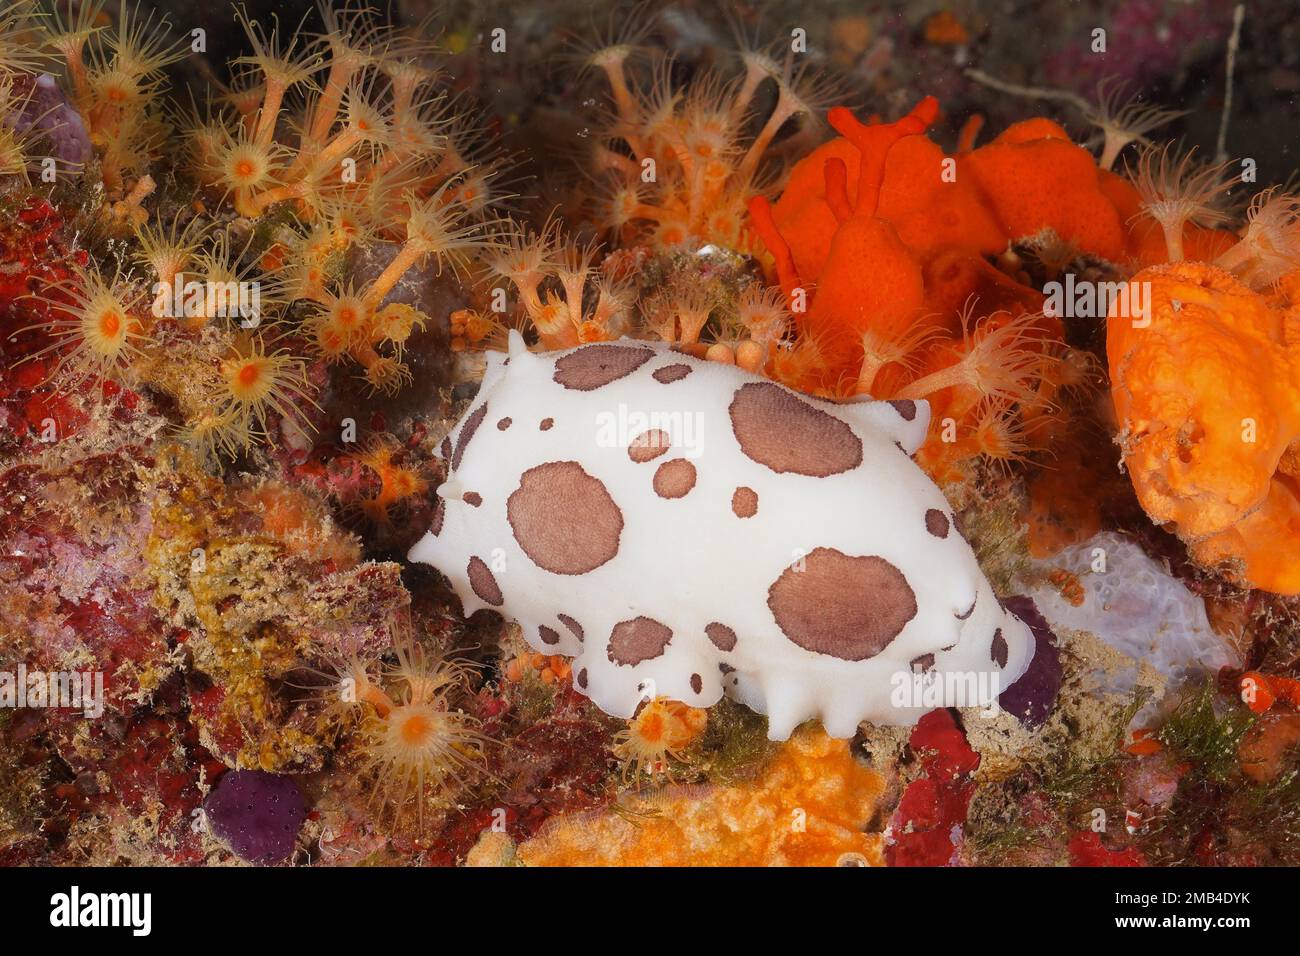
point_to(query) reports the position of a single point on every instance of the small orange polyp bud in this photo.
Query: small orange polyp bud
(1255, 692)
(944, 29)
(750, 356)
(719, 352)
(1144, 743)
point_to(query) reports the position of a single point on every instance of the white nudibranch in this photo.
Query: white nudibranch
(685, 529)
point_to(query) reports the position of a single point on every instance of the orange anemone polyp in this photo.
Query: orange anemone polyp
(249, 374)
(330, 342)
(414, 728)
(651, 729)
(662, 729)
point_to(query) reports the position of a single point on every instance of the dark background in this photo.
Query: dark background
(1170, 52)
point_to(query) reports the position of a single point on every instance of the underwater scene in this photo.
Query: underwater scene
(750, 433)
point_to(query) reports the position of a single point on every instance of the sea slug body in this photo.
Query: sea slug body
(685, 529)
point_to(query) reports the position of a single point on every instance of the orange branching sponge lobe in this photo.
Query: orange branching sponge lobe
(1035, 178)
(845, 306)
(905, 268)
(1207, 392)
(881, 244)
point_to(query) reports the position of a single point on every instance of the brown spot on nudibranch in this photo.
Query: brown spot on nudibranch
(549, 635)
(472, 498)
(504, 423)
(697, 683)
(842, 606)
(594, 366)
(445, 447)
(923, 663)
(545, 424)
(648, 445)
(905, 407)
(466, 433)
(572, 625)
(640, 639)
(674, 479)
(970, 610)
(671, 373)
(582, 678)
(564, 519)
(999, 649)
(936, 522)
(439, 515)
(744, 502)
(723, 637)
(484, 582)
(777, 428)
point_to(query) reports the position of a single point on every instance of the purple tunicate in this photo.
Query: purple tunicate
(1031, 698)
(258, 814)
(47, 114)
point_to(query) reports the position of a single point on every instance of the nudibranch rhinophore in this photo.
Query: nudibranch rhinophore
(684, 529)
